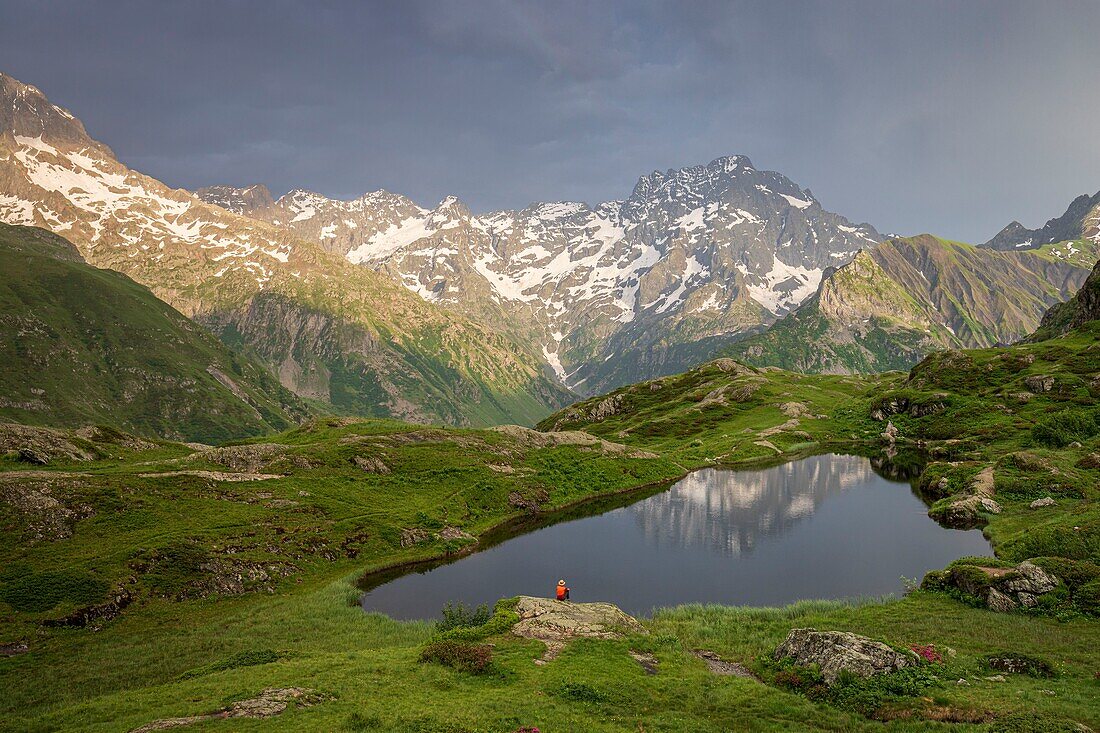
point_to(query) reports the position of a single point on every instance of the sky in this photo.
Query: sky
(945, 117)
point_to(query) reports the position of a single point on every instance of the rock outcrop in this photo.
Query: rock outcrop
(268, 703)
(841, 651)
(556, 622)
(1001, 589)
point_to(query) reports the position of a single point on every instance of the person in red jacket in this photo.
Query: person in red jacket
(563, 591)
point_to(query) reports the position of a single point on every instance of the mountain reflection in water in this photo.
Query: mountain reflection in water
(730, 510)
(828, 526)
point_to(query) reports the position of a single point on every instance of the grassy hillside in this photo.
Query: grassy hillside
(232, 586)
(896, 303)
(82, 345)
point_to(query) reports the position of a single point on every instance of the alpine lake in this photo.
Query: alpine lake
(829, 526)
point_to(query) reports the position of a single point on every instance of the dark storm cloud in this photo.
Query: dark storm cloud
(944, 117)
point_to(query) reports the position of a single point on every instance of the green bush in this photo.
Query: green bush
(30, 592)
(578, 692)
(1087, 598)
(460, 655)
(504, 618)
(1066, 427)
(460, 616)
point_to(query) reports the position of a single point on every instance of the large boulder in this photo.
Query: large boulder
(556, 622)
(839, 651)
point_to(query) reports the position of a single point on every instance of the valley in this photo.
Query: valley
(305, 463)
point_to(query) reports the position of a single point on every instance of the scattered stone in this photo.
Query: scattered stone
(450, 534)
(99, 613)
(890, 434)
(794, 409)
(502, 468)
(540, 439)
(370, 464)
(556, 622)
(217, 475)
(1030, 578)
(996, 678)
(606, 408)
(648, 661)
(44, 503)
(245, 458)
(719, 666)
(13, 649)
(269, 703)
(962, 682)
(766, 444)
(836, 651)
(413, 536)
(983, 484)
(1038, 384)
(998, 601)
(41, 446)
(528, 503)
(1040, 503)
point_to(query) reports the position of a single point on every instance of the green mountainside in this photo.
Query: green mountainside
(1083, 307)
(904, 298)
(163, 581)
(333, 332)
(84, 346)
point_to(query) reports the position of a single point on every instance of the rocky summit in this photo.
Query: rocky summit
(609, 293)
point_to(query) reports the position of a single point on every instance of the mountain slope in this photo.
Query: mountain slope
(609, 293)
(332, 331)
(1083, 307)
(1081, 221)
(81, 346)
(897, 302)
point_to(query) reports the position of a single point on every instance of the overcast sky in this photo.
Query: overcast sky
(953, 118)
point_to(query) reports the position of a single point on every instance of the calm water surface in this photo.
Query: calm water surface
(822, 527)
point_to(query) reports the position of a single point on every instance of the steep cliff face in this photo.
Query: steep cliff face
(897, 302)
(84, 346)
(211, 264)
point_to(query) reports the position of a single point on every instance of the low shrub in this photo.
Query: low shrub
(459, 615)
(1066, 427)
(460, 655)
(1032, 723)
(578, 692)
(504, 618)
(31, 592)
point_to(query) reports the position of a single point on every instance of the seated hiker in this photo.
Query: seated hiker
(563, 591)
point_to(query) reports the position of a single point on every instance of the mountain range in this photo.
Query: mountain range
(341, 335)
(82, 346)
(380, 306)
(609, 293)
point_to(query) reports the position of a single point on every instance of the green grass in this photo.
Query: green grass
(175, 653)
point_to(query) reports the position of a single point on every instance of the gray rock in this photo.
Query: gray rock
(1030, 578)
(837, 651)
(998, 601)
(1039, 383)
(1039, 503)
